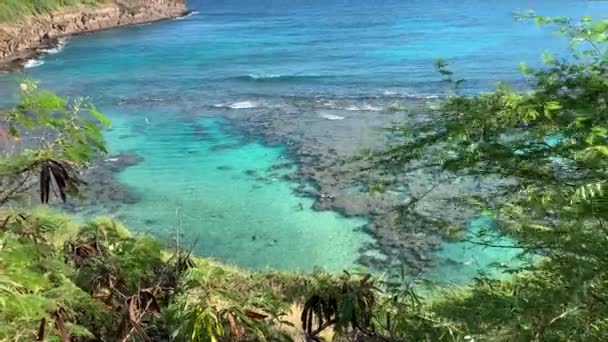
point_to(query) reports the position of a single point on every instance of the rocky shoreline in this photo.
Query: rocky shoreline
(33, 36)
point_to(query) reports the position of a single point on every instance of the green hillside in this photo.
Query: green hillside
(14, 10)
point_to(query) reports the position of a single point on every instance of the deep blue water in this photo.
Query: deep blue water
(159, 82)
(238, 49)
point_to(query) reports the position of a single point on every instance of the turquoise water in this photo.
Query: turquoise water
(229, 202)
(173, 89)
(459, 262)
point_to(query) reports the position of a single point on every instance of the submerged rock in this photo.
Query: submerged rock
(224, 147)
(120, 162)
(251, 173)
(103, 193)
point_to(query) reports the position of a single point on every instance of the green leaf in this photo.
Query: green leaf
(103, 120)
(548, 58)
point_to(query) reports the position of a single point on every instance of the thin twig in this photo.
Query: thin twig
(555, 319)
(8, 196)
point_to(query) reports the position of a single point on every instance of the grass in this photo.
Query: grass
(12, 11)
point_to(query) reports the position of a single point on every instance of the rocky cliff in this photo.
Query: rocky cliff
(24, 40)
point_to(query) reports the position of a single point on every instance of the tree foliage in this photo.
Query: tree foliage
(47, 137)
(552, 141)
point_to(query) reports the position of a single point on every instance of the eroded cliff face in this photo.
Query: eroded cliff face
(20, 41)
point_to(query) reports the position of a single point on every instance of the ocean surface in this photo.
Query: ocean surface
(172, 89)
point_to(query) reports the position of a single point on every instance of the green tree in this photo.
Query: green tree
(50, 138)
(46, 139)
(552, 142)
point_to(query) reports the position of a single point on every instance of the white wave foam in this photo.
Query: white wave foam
(400, 93)
(409, 94)
(58, 48)
(264, 76)
(193, 13)
(331, 117)
(238, 105)
(32, 63)
(365, 107)
(244, 105)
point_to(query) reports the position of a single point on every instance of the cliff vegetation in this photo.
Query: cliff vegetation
(14, 10)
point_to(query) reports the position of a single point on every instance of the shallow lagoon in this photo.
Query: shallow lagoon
(222, 193)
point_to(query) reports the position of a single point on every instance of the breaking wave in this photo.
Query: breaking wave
(32, 63)
(278, 78)
(239, 105)
(190, 14)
